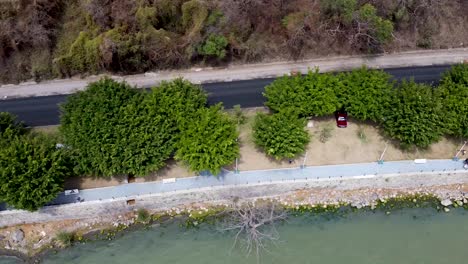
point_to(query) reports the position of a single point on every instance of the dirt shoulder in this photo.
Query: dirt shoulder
(245, 72)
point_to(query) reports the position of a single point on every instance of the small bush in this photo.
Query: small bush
(143, 216)
(65, 239)
(326, 133)
(239, 116)
(214, 45)
(281, 135)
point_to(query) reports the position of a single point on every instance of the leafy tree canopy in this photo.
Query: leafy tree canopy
(366, 93)
(281, 135)
(214, 45)
(453, 91)
(32, 171)
(209, 141)
(8, 121)
(311, 95)
(414, 116)
(116, 130)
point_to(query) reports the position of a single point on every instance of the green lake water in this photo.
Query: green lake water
(413, 236)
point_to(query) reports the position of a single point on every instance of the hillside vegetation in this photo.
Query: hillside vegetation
(56, 38)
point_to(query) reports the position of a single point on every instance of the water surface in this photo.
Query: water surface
(409, 236)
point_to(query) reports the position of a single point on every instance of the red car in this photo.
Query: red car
(342, 119)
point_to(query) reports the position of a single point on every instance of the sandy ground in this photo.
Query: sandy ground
(359, 142)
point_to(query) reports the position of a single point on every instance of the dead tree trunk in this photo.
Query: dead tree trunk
(254, 225)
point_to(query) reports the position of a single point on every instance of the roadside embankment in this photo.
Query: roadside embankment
(245, 72)
(31, 233)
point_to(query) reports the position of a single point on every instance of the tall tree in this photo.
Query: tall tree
(281, 135)
(414, 117)
(314, 94)
(366, 93)
(32, 171)
(209, 141)
(453, 91)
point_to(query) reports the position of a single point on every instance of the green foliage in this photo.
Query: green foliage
(414, 115)
(381, 29)
(8, 121)
(113, 129)
(453, 91)
(457, 74)
(84, 55)
(194, 14)
(214, 17)
(280, 135)
(143, 216)
(341, 10)
(32, 171)
(65, 239)
(366, 94)
(209, 141)
(239, 116)
(180, 100)
(214, 45)
(311, 95)
(146, 16)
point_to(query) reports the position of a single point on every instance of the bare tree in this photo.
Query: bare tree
(254, 225)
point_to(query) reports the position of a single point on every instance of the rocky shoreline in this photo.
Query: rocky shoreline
(29, 241)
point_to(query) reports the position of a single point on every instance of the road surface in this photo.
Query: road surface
(44, 111)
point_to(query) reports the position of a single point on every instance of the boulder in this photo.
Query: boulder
(446, 202)
(17, 236)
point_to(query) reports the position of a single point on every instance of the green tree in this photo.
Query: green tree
(453, 91)
(414, 117)
(32, 171)
(214, 45)
(209, 141)
(8, 121)
(311, 95)
(366, 93)
(380, 29)
(281, 135)
(113, 129)
(339, 10)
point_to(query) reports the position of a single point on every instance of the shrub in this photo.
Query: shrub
(32, 171)
(143, 216)
(209, 141)
(214, 45)
(381, 29)
(280, 135)
(311, 95)
(239, 116)
(414, 117)
(8, 121)
(366, 93)
(84, 55)
(453, 91)
(65, 239)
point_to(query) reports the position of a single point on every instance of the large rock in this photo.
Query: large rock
(446, 202)
(17, 236)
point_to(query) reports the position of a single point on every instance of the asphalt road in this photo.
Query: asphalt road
(44, 111)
